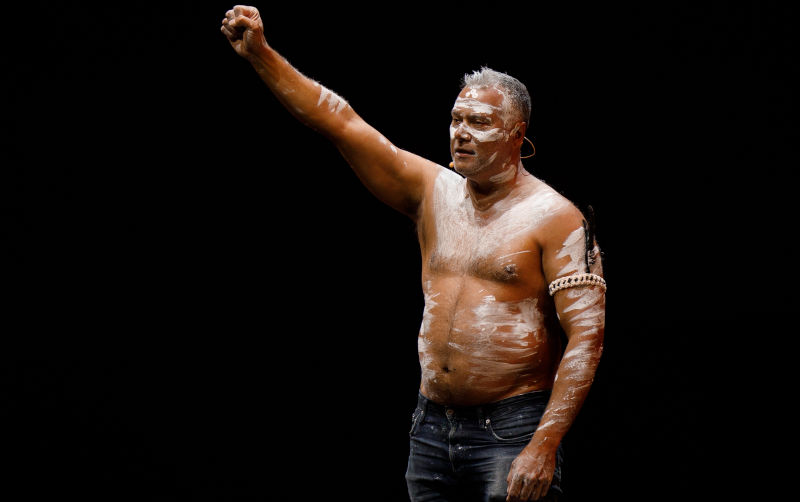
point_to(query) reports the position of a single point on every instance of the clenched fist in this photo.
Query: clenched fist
(244, 29)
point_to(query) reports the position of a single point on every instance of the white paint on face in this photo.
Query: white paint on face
(473, 122)
(477, 135)
(472, 105)
(462, 237)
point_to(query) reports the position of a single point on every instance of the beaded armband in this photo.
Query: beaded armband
(572, 281)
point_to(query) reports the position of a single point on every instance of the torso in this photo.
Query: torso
(489, 329)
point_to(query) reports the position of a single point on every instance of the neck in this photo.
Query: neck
(484, 192)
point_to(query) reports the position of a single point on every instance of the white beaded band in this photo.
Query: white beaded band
(576, 280)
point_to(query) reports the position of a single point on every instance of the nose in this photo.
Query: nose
(462, 133)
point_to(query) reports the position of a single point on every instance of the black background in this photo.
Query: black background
(203, 302)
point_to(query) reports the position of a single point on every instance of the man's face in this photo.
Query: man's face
(478, 135)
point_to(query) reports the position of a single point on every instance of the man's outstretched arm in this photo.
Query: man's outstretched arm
(395, 176)
(581, 311)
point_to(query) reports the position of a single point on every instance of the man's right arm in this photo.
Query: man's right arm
(396, 177)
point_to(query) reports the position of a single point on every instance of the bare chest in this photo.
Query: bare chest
(497, 244)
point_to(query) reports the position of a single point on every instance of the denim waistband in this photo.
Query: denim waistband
(537, 397)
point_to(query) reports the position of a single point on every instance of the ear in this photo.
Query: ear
(518, 132)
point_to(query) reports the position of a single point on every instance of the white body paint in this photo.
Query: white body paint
(586, 315)
(426, 359)
(334, 102)
(574, 247)
(462, 236)
(471, 99)
(507, 174)
(473, 105)
(511, 323)
(503, 339)
(489, 343)
(495, 341)
(480, 136)
(476, 106)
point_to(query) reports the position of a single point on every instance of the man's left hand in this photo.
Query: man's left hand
(531, 474)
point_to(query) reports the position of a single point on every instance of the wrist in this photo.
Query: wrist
(543, 442)
(261, 55)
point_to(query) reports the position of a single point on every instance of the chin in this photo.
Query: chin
(469, 168)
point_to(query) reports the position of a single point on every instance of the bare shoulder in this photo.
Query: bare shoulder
(558, 206)
(444, 184)
(562, 216)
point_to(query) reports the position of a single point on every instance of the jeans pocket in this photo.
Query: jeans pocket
(513, 427)
(416, 418)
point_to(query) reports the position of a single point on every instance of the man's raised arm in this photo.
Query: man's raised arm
(396, 177)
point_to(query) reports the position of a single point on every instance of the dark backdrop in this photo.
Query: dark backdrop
(205, 304)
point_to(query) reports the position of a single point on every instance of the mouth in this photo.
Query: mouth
(462, 152)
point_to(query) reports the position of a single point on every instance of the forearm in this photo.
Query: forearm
(310, 102)
(573, 381)
(582, 314)
(395, 176)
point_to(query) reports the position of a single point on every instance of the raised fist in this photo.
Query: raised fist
(244, 29)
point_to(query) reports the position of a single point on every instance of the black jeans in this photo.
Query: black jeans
(465, 454)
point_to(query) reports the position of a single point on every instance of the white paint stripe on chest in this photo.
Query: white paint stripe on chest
(462, 238)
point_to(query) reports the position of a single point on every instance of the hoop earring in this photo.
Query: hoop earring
(534, 149)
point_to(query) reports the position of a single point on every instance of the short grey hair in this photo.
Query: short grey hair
(518, 100)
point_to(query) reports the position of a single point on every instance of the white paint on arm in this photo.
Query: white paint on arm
(335, 103)
(584, 318)
(574, 247)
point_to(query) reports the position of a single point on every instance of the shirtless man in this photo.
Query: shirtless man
(496, 396)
